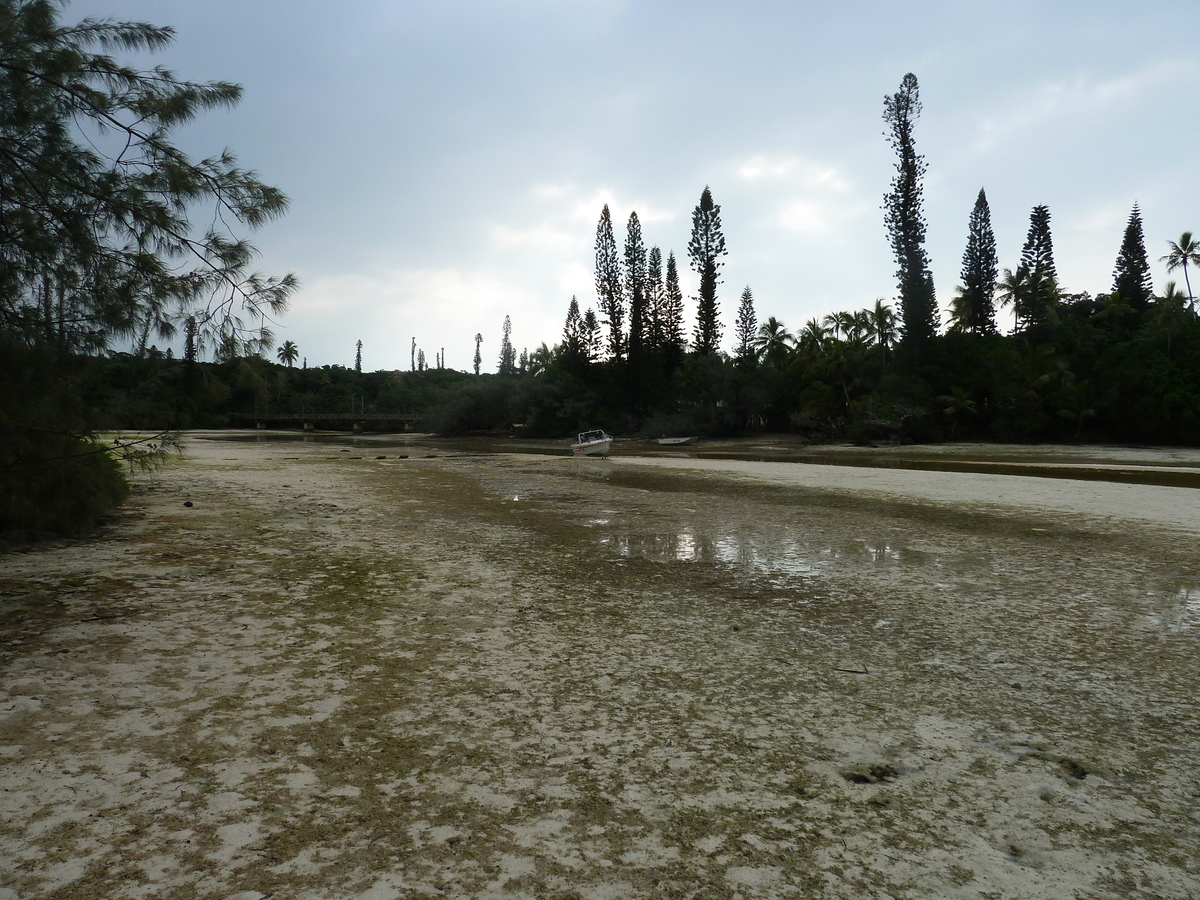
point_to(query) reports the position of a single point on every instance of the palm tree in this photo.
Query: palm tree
(860, 326)
(841, 324)
(773, 342)
(883, 327)
(1115, 310)
(961, 313)
(1169, 314)
(1011, 289)
(1186, 252)
(288, 353)
(541, 359)
(812, 338)
(956, 402)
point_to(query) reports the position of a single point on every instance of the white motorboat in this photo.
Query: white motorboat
(592, 443)
(677, 441)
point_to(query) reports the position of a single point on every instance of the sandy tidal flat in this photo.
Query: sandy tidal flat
(337, 676)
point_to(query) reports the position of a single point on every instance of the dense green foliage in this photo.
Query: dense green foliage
(96, 246)
(1084, 373)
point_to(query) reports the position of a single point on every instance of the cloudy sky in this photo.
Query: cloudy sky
(447, 160)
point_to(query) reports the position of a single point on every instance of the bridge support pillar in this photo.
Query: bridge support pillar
(357, 428)
(260, 424)
(308, 426)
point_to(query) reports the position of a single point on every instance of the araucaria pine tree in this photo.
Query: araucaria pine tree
(980, 268)
(478, 356)
(746, 329)
(574, 343)
(508, 356)
(674, 338)
(705, 250)
(656, 295)
(358, 357)
(1038, 294)
(635, 288)
(189, 339)
(1131, 277)
(904, 219)
(609, 293)
(591, 335)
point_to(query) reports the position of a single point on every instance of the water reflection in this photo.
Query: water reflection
(1185, 611)
(785, 555)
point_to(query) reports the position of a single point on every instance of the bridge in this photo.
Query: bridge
(407, 418)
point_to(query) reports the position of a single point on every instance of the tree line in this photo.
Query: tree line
(98, 248)
(1121, 365)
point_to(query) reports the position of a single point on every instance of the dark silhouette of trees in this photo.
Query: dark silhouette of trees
(1184, 253)
(574, 349)
(591, 335)
(883, 327)
(635, 288)
(674, 339)
(705, 250)
(609, 292)
(904, 218)
(974, 306)
(289, 353)
(746, 330)
(772, 342)
(109, 231)
(508, 356)
(190, 330)
(656, 299)
(1131, 275)
(1036, 283)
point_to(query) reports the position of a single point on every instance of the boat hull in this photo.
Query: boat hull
(592, 448)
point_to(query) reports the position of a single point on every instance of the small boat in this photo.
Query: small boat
(677, 441)
(592, 443)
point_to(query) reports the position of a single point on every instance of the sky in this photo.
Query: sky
(447, 160)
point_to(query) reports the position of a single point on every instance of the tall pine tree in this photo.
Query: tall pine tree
(705, 250)
(574, 343)
(1131, 277)
(980, 268)
(904, 219)
(635, 288)
(655, 298)
(674, 339)
(508, 355)
(591, 335)
(745, 330)
(609, 293)
(1037, 298)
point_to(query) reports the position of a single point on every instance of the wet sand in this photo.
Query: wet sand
(530, 676)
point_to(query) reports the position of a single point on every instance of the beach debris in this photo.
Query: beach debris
(187, 503)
